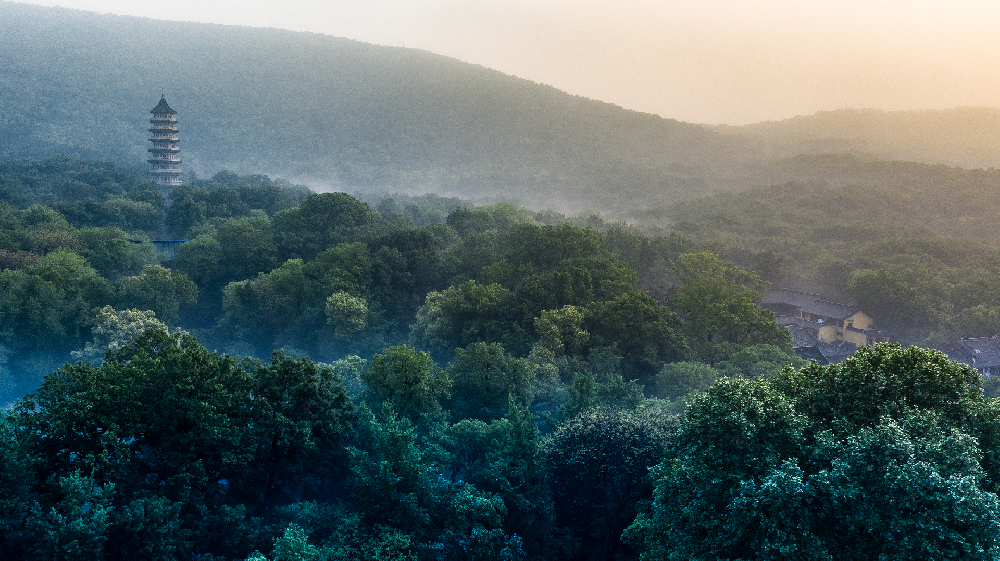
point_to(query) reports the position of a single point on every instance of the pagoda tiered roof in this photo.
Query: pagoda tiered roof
(162, 107)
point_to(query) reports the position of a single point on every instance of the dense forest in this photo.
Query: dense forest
(420, 378)
(268, 265)
(360, 370)
(917, 248)
(449, 330)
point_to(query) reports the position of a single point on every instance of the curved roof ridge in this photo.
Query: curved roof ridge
(162, 107)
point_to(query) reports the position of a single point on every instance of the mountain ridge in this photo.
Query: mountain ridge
(967, 137)
(339, 114)
(325, 109)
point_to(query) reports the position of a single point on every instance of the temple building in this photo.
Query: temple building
(164, 156)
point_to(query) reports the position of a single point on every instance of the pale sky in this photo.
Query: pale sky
(704, 61)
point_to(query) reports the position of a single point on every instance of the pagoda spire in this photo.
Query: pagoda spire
(164, 159)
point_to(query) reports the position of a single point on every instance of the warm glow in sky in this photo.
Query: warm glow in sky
(706, 61)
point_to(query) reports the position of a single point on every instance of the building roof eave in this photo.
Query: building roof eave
(162, 107)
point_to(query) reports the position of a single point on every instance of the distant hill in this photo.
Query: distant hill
(339, 114)
(331, 112)
(967, 137)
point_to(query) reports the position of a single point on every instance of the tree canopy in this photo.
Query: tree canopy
(880, 457)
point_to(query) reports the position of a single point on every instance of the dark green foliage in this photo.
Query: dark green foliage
(30, 311)
(606, 390)
(597, 467)
(179, 438)
(49, 303)
(17, 476)
(200, 454)
(393, 481)
(484, 377)
(677, 379)
(339, 534)
(416, 210)
(158, 289)
(545, 246)
(720, 306)
(876, 458)
(187, 447)
(302, 414)
(322, 221)
(898, 297)
(501, 458)
(225, 196)
(112, 254)
(467, 221)
(344, 268)
(758, 361)
(182, 446)
(270, 306)
(649, 256)
(405, 267)
(76, 526)
(398, 485)
(645, 333)
(408, 379)
(884, 380)
(88, 194)
(462, 314)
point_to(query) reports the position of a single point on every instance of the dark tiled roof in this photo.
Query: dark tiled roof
(785, 320)
(791, 297)
(978, 352)
(836, 352)
(162, 107)
(811, 353)
(781, 299)
(829, 309)
(801, 338)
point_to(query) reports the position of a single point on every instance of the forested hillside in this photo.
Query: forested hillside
(397, 375)
(332, 112)
(965, 136)
(914, 245)
(481, 383)
(439, 325)
(269, 266)
(339, 114)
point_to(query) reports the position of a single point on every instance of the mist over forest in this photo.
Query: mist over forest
(417, 309)
(339, 114)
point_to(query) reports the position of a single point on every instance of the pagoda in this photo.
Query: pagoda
(164, 156)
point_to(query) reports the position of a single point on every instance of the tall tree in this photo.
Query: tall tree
(484, 377)
(875, 458)
(720, 306)
(408, 379)
(596, 465)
